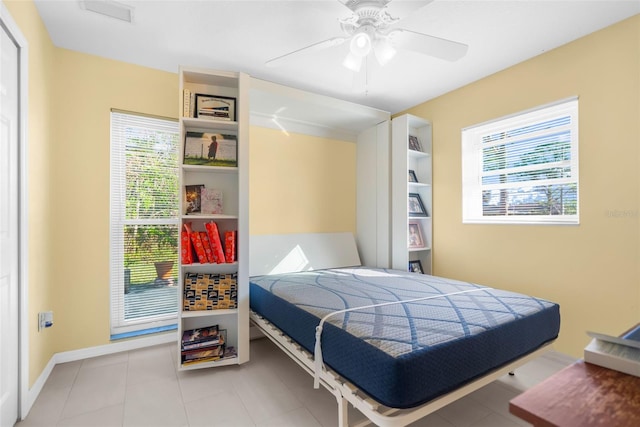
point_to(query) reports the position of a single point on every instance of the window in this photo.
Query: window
(523, 168)
(144, 223)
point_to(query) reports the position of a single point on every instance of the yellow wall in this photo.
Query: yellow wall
(86, 88)
(41, 193)
(592, 269)
(301, 184)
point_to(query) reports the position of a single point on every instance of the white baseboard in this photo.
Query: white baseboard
(116, 347)
(34, 391)
(86, 353)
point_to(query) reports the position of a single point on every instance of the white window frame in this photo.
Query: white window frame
(472, 164)
(120, 327)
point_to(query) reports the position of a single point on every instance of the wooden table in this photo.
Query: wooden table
(581, 395)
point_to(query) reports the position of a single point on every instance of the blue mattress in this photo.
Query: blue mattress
(405, 354)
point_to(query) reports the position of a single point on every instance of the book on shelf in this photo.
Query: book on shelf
(186, 254)
(211, 201)
(204, 351)
(204, 237)
(208, 354)
(230, 351)
(206, 246)
(209, 334)
(618, 353)
(230, 246)
(196, 242)
(216, 244)
(186, 103)
(200, 346)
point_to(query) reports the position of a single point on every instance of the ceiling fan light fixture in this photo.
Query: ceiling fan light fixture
(361, 44)
(383, 51)
(353, 62)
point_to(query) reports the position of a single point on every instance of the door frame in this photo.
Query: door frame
(6, 20)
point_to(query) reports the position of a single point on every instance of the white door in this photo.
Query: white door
(372, 195)
(9, 140)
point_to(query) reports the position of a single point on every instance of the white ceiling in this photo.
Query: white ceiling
(242, 35)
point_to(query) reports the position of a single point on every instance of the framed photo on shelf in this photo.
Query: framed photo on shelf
(414, 143)
(415, 267)
(215, 107)
(192, 199)
(416, 207)
(415, 239)
(412, 176)
(211, 201)
(210, 149)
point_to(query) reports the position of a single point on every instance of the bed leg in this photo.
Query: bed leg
(343, 412)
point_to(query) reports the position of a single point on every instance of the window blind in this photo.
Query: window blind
(524, 168)
(144, 222)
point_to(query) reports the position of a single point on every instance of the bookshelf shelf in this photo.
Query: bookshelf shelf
(209, 217)
(418, 185)
(210, 169)
(217, 363)
(206, 124)
(206, 268)
(206, 313)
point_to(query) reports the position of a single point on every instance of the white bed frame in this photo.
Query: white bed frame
(273, 254)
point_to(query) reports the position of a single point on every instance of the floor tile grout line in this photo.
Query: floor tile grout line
(66, 400)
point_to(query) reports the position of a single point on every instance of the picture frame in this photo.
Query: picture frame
(414, 143)
(412, 176)
(415, 267)
(415, 238)
(215, 107)
(210, 149)
(192, 199)
(211, 201)
(416, 207)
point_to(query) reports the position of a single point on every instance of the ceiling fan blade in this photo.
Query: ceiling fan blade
(402, 9)
(335, 41)
(428, 45)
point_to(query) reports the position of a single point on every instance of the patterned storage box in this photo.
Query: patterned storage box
(210, 291)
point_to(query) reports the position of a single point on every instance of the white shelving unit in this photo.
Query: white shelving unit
(234, 184)
(403, 160)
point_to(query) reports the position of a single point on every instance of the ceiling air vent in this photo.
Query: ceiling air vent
(109, 8)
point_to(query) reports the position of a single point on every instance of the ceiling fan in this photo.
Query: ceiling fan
(371, 28)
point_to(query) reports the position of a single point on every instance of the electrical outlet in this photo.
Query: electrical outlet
(45, 319)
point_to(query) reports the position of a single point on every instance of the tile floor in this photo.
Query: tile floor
(143, 388)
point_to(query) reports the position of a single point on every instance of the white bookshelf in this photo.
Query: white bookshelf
(403, 160)
(234, 184)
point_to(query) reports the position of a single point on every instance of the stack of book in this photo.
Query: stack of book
(618, 353)
(203, 345)
(206, 246)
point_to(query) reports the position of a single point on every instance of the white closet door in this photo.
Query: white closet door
(8, 229)
(373, 195)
